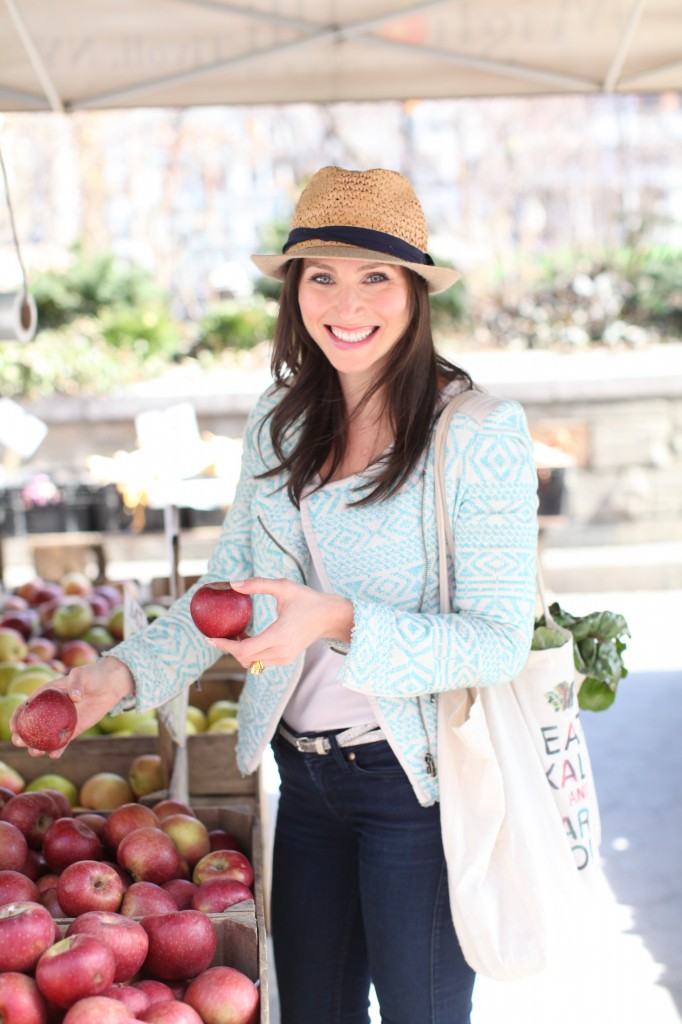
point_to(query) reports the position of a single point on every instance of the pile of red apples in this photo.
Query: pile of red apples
(106, 919)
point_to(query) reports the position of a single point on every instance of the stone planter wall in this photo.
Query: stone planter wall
(618, 414)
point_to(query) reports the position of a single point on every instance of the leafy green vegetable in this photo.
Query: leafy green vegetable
(545, 637)
(598, 647)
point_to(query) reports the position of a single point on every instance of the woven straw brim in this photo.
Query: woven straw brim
(437, 278)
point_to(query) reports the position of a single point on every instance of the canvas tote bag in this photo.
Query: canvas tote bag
(519, 816)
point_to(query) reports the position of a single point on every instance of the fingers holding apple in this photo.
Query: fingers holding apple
(94, 691)
(304, 615)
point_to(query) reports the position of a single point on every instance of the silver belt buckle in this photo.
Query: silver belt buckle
(312, 745)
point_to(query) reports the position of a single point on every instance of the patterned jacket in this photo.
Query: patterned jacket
(383, 558)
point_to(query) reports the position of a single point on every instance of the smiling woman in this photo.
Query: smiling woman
(332, 534)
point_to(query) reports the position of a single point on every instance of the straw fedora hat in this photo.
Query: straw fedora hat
(360, 215)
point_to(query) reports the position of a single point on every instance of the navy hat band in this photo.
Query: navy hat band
(362, 238)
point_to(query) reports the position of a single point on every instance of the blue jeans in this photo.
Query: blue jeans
(359, 894)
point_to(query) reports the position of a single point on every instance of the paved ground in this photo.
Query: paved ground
(627, 968)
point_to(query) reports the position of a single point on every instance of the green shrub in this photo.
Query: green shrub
(91, 283)
(236, 324)
(74, 360)
(142, 330)
(449, 308)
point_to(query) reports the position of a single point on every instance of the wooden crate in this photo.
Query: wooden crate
(240, 931)
(211, 757)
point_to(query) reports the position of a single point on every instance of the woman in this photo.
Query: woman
(332, 531)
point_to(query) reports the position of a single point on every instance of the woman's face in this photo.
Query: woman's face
(356, 311)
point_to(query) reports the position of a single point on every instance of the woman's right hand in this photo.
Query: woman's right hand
(94, 689)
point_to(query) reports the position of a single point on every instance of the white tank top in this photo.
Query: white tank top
(319, 701)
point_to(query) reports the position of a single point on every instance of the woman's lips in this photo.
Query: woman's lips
(346, 337)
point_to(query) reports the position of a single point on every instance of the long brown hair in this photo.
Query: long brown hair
(312, 413)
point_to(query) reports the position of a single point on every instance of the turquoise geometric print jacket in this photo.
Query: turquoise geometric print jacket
(382, 557)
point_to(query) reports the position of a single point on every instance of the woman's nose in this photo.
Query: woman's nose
(348, 300)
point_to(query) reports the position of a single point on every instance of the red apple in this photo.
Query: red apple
(89, 885)
(223, 995)
(15, 887)
(166, 807)
(223, 864)
(73, 653)
(35, 866)
(99, 604)
(94, 821)
(126, 880)
(126, 939)
(142, 898)
(155, 991)
(216, 895)
(25, 621)
(46, 721)
(182, 891)
(32, 814)
(45, 648)
(44, 591)
(111, 593)
(62, 801)
(149, 855)
(13, 847)
(127, 818)
(71, 618)
(170, 1012)
(47, 881)
(74, 968)
(189, 835)
(219, 611)
(132, 998)
(223, 840)
(5, 795)
(20, 1000)
(68, 840)
(97, 1010)
(12, 602)
(26, 931)
(50, 901)
(181, 944)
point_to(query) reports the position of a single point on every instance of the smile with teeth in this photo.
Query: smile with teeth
(359, 334)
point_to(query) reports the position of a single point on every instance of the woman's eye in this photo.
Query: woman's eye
(321, 278)
(377, 276)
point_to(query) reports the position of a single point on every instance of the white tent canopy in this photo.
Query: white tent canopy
(93, 54)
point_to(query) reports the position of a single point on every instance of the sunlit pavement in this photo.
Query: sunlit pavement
(626, 966)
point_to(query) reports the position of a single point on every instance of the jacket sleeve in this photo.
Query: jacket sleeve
(171, 654)
(491, 490)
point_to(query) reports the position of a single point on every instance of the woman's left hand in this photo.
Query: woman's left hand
(304, 615)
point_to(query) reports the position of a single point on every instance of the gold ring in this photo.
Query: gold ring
(257, 667)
